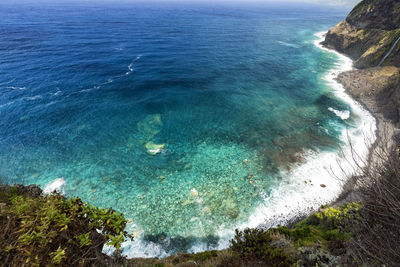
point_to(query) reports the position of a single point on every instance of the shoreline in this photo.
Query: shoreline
(308, 197)
(386, 132)
(344, 169)
(387, 138)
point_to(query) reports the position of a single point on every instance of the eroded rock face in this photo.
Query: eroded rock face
(368, 33)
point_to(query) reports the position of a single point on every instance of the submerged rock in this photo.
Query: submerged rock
(194, 192)
(229, 208)
(150, 126)
(154, 149)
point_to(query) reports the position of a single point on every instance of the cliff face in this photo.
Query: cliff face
(368, 33)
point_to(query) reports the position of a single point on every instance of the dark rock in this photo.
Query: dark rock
(376, 14)
(34, 190)
(30, 190)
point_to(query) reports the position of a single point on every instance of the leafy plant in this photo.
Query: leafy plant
(256, 244)
(53, 230)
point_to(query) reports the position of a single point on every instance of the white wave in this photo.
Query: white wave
(308, 185)
(143, 249)
(57, 92)
(30, 98)
(57, 185)
(51, 103)
(288, 44)
(131, 66)
(90, 89)
(344, 115)
(111, 80)
(7, 104)
(16, 88)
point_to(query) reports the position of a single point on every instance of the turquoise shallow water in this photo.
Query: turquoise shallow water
(181, 117)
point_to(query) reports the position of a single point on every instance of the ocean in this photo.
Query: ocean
(191, 119)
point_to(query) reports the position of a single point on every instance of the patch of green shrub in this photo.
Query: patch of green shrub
(320, 237)
(324, 226)
(55, 231)
(203, 256)
(255, 244)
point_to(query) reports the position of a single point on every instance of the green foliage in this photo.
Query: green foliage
(203, 256)
(116, 241)
(256, 244)
(48, 230)
(57, 256)
(84, 240)
(308, 242)
(329, 224)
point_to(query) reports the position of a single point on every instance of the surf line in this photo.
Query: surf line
(113, 78)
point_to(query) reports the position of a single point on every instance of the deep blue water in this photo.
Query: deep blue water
(232, 94)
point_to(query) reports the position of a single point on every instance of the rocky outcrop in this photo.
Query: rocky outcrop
(368, 33)
(29, 190)
(377, 88)
(370, 36)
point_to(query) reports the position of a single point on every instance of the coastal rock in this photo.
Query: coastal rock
(30, 190)
(34, 190)
(154, 149)
(377, 88)
(194, 193)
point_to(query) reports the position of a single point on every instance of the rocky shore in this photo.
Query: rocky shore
(369, 35)
(378, 91)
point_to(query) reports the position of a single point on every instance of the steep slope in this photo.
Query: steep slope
(368, 33)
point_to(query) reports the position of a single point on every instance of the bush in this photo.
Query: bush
(52, 230)
(255, 244)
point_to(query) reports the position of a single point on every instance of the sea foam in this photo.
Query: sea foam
(344, 115)
(57, 185)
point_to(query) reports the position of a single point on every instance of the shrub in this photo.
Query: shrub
(52, 230)
(255, 244)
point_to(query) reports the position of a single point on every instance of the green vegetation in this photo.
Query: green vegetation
(322, 235)
(257, 244)
(327, 225)
(52, 230)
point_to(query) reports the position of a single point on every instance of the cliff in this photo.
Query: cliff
(370, 35)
